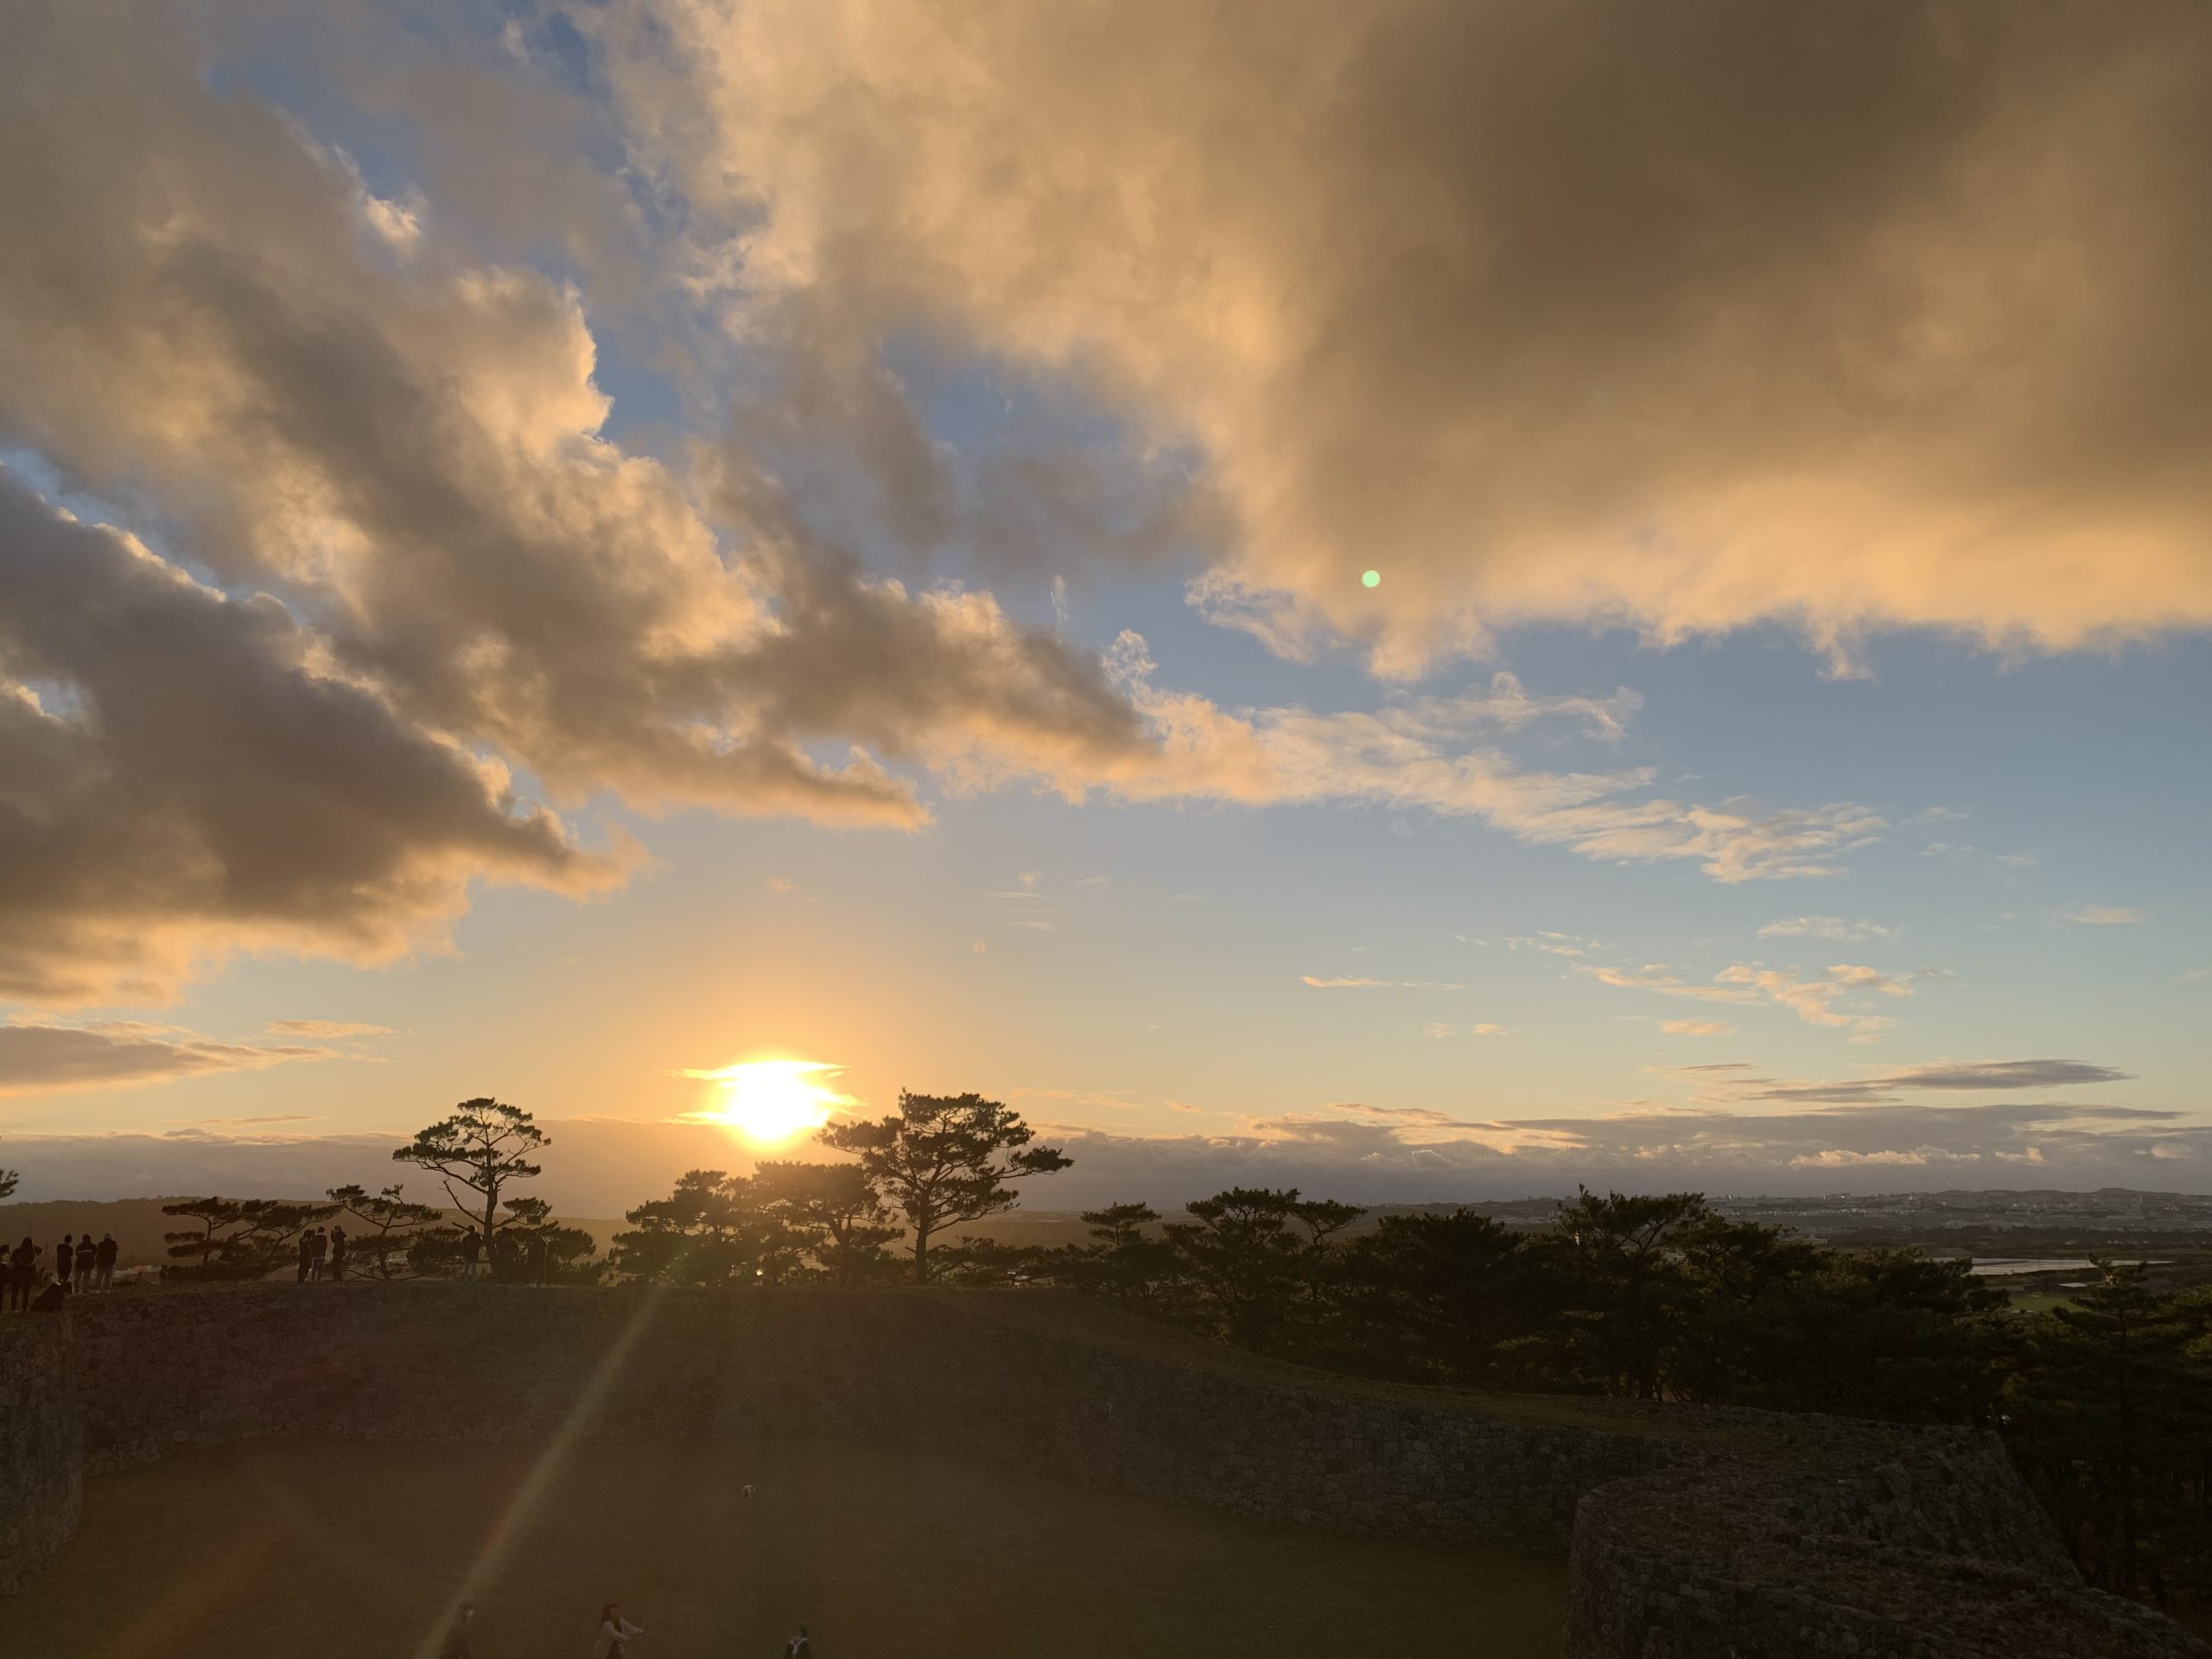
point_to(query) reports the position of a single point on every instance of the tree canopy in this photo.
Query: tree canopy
(487, 1147)
(945, 1158)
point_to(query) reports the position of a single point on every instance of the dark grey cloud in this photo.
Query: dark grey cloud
(190, 779)
(38, 1059)
(1977, 1077)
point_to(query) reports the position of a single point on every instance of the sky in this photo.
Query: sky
(1428, 601)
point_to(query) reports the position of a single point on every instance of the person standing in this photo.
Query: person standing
(470, 1254)
(64, 1256)
(338, 1254)
(614, 1632)
(306, 1254)
(87, 1253)
(321, 1253)
(23, 1276)
(104, 1262)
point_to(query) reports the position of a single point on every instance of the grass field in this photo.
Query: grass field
(316, 1550)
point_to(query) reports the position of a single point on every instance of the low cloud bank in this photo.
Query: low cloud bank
(1362, 1153)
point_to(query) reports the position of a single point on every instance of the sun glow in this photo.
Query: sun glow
(771, 1101)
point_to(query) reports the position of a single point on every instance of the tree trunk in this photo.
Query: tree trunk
(921, 1255)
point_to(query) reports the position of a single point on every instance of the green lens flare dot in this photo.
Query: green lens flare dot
(1372, 579)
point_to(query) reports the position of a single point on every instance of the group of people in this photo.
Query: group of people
(322, 1253)
(613, 1641)
(79, 1265)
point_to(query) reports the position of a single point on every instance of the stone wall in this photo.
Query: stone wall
(1692, 1533)
(41, 1449)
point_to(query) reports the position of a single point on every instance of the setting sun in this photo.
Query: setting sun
(771, 1101)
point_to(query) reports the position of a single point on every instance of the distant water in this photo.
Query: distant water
(2004, 1267)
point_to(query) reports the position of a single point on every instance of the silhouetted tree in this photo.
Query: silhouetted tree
(835, 1209)
(388, 1225)
(1245, 1260)
(984, 1263)
(1125, 1262)
(484, 1146)
(239, 1238)
(2113, 1395)
(1440, 1298)
(712, 1230)
(1619, 1258)
(531, 1241)
(943, 1158)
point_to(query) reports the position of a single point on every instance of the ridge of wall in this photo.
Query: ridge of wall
(1690, 1533)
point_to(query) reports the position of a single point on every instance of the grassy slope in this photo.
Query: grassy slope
(347, 1551)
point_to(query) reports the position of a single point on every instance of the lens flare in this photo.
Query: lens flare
(1370, 579)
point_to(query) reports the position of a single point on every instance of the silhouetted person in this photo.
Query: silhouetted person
(104, 1263)
(460, 1642)
(614, 1631)
(471, 1252)
(307, 1254)
(23, 1276)
(64, 1256)
(321, 1253)
(338, 1254)
(799, 1646)
(539, 1251)
(87, 1253)
(52, 1298)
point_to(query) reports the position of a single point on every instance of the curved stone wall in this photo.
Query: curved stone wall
(1692, 1533)
(41, 1449)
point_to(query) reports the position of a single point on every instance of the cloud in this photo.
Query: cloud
(777, 884)
(432, 571)
(2104, 916)
(1485, 1029)
(1820, 999)
(434, 565)
(1696, 1027)
(205, 781)
(1976, 1076)
(1555, 944)
(1363, 984)
(1370, 1154)
(1361, 1152)
(1827, 927)
(1426, 755)
(2007, 1074)
(980, 946)
(44, 1059)
(1769, 314)
(327, 1029)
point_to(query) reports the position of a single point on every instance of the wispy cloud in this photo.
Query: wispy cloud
(1696, 1027)
(1827, 927)
(1359, 983)
(327, 1029)
(2103, 916)
(1818, 999)
(1426, 755)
